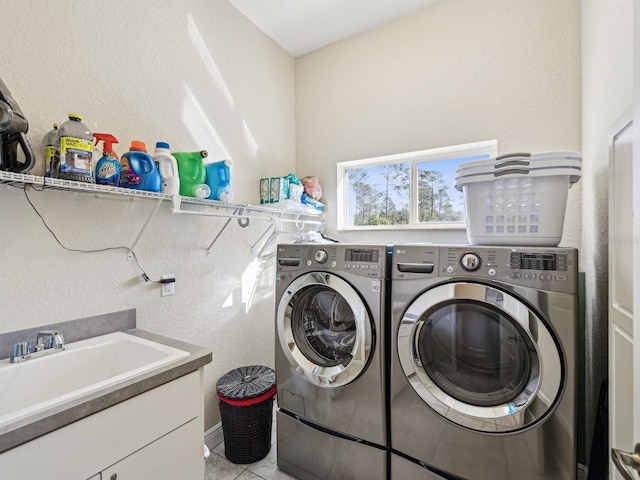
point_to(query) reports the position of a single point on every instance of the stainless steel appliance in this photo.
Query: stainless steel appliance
(330, 360)
(483, 362)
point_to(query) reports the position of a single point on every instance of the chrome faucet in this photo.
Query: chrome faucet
(47, 343)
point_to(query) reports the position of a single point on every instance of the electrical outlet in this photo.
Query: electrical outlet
(167, 285)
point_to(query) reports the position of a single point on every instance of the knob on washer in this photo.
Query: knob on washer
(321, 256)
(470, 261)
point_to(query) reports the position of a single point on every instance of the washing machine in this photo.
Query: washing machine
(330, 359)
(483, 362)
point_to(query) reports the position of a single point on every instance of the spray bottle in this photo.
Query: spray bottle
(108, 167)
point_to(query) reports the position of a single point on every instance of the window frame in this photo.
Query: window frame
(487, 147)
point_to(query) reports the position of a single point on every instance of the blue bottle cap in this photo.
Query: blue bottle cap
(162, 145)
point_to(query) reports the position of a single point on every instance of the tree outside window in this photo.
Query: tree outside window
(411, 190)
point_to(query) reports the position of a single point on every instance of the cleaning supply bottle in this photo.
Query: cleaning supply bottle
(192, 174)
(168, 168)
(49, 143)
(108, 167)
(74, 151)
(138, 170)
(218, 177)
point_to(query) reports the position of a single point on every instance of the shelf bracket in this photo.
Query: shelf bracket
(254, 249)
(144, 227)
(226, 224)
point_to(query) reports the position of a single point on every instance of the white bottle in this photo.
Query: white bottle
(168, 167)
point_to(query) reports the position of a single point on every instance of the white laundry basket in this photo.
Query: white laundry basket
(511, 202)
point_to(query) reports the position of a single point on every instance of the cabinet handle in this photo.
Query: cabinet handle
(623, 459)
(114, 477)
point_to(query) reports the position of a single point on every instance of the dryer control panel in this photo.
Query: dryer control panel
(554, 269)
(363, 260)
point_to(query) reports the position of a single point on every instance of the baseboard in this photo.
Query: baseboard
(213, 436)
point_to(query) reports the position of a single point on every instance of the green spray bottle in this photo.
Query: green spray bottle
(108, 167)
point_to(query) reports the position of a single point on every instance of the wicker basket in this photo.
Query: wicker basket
(246, 406)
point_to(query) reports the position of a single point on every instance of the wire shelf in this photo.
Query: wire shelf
(246, 210)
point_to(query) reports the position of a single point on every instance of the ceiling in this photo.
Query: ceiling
(302, 26)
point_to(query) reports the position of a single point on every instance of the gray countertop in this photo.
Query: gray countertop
(26, 429)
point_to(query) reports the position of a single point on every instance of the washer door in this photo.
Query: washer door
(324, 329)
(480, 357)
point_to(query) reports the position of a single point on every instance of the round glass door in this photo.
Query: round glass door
(324, 329)
(475, 355)
(325, 326)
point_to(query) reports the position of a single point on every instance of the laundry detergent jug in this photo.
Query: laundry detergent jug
(138, 170)
(168, 167)
(218, 177)
(192, 173)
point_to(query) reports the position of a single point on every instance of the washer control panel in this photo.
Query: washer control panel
(554, 269)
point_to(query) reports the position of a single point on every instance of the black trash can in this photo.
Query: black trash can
(246, 406)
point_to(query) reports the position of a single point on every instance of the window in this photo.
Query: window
(407, 190)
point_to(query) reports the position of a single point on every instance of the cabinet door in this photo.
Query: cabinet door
(178, 454)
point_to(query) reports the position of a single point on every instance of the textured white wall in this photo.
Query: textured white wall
(607, 91)
(199, 75)
(459, 71)
(194, 73)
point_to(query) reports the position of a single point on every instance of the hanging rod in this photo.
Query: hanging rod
(299, 222)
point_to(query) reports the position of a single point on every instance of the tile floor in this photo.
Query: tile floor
(219, 468)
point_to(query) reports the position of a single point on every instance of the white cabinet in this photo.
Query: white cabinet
(150, 436)
(168, 458)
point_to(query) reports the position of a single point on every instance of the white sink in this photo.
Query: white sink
(85, 367)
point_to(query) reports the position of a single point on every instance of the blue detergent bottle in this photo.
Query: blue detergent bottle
(218, 177)
(138, 170)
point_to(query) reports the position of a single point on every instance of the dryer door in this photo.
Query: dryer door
(325, 329)
(480, 357)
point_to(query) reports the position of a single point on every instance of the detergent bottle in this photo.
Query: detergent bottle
(168, 167)
(108, 167)
(218, 177)
(192, 174)
(138, 170)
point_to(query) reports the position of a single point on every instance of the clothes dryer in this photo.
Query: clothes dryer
(331, 310)
(483, 362)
